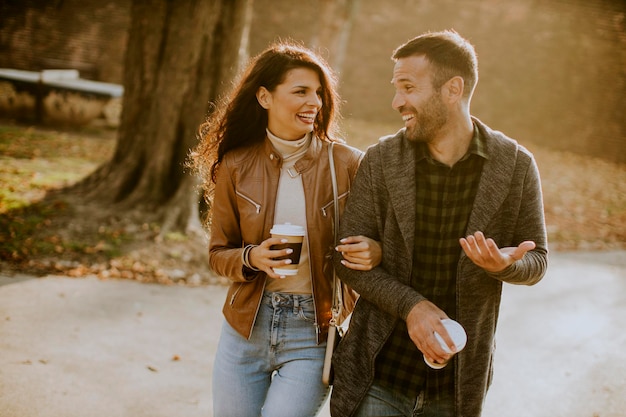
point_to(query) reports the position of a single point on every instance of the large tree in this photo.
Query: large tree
(334, 29)
(180, 56)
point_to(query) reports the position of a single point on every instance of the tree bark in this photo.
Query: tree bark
(180, 56)
(336, 17)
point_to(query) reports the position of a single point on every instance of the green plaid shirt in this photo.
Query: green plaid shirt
(444, 201)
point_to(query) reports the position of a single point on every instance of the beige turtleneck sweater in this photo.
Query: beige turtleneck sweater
(291, 208)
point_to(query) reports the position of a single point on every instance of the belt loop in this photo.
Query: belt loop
(296, 304)
(275, 300)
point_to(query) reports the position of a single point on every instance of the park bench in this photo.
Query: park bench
(40, 84)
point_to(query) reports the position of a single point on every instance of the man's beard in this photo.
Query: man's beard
(428, 121)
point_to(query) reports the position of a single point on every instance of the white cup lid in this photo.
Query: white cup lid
(287, 229)
(456, 332)
(281, 271)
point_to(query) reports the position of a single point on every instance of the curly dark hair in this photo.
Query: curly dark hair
(240, 120)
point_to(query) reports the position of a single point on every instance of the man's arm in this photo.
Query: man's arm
(365, 215)
(526, 263)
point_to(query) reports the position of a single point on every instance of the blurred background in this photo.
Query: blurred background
(100, 103)
(551, 71)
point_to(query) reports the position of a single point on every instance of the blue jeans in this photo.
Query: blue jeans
(383, 402)
(278, 372)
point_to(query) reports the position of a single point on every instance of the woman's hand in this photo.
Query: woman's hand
(263, 257)
(360, 253)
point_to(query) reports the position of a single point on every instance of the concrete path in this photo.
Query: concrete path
(90, 348)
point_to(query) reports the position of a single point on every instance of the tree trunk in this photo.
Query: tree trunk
(336, 17)
(180, 55)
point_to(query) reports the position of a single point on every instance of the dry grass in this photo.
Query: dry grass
(585, 200)
(33, 161)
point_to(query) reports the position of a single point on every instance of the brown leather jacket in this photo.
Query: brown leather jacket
(243, 213)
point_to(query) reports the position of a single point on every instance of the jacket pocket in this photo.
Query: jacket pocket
(327, 209)
(257, 206)
(233, 296)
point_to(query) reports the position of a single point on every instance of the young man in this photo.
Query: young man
(458, 209)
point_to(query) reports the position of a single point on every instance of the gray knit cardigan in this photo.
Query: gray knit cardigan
(508, 208)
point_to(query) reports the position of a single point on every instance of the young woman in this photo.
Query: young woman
(264, 160)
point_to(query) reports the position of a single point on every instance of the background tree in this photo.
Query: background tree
(334, 28)
(179, 57)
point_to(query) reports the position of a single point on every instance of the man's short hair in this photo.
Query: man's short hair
(450, 55)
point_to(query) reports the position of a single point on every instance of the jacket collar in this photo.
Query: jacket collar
(304, 163)
(398, 159)
(495, 181)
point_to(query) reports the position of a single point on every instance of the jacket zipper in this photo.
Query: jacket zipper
(318, 329)
(325, 214)
(232, 297)
(249, 200)
(257, 206)
(325, 208)
(256, 313)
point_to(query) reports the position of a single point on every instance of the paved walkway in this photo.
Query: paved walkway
(91, 348)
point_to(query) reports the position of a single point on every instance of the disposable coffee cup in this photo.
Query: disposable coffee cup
(459, 337)
(294, 235)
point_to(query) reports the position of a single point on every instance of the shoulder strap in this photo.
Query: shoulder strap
(337, 296)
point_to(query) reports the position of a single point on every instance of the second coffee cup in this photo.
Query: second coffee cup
(458, 335)
(294, 235)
